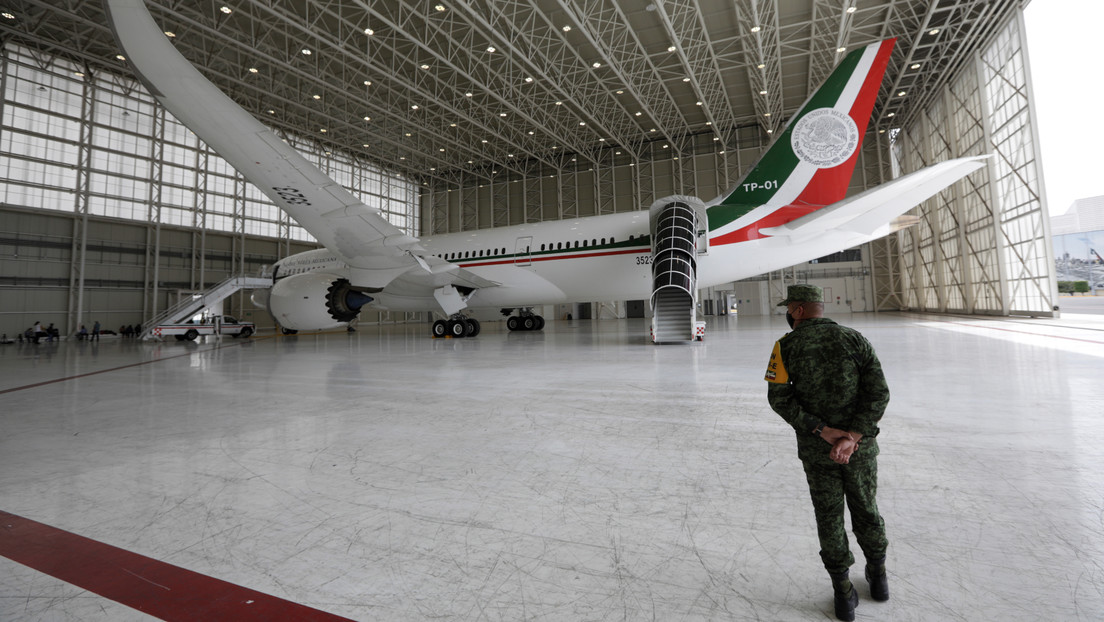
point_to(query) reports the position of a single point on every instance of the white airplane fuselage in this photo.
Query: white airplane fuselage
(571, 261)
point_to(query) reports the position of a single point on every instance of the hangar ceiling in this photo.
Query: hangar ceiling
(457, 91)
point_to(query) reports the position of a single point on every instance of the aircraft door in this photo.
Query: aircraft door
(523, 251)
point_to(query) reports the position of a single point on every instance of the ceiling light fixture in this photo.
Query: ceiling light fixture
(567, 28)
(596, 64)
(933, 31)
(170, 34)
(671, 48)
(226, 10)
(317, 96)
(306, 52)
(440, 8)
(424, 66)
(367, 118)
(491, 49)
(852, 9)
(755, 28)
(120, 57)
(253, 70)
(914, 66)
(367, 83)
(369, 32)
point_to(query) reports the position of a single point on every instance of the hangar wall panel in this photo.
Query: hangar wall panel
(615, 183)
(983, 245)
(38, 247)
(109, 207)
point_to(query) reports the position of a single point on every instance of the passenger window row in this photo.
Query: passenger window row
(557, 246)
(494, 252)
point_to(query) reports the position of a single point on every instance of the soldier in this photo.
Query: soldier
(825, 380)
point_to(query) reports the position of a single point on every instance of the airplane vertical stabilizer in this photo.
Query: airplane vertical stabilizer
(810, 163)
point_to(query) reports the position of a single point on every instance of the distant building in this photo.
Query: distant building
(1079, 242)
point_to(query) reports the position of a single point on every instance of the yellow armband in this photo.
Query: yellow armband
(776, 369)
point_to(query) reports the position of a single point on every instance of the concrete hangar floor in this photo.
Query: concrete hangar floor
(580, 473)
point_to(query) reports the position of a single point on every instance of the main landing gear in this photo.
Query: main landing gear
(525, 320)
(456, 327)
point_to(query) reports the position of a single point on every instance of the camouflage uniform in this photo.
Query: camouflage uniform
(826, 373)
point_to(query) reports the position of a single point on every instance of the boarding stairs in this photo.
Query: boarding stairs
(674, 272)
(185, 309)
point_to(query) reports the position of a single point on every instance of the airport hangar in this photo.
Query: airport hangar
(383, 474)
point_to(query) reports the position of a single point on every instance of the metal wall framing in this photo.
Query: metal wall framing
(982, 245)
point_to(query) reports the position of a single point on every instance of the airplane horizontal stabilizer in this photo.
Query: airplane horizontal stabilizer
(869, 211)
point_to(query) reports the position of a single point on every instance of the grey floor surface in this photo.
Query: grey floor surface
(580, 473)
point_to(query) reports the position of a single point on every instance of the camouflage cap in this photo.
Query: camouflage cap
(802, 293)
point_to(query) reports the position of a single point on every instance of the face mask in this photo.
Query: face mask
(789, 319)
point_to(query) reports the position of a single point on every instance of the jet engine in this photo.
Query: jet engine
(314, 301)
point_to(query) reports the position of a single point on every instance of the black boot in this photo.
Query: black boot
(876, 577)
(846, 596)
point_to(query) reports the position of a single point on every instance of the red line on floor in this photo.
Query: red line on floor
(150, 586)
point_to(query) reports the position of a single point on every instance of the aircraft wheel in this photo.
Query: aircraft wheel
(179, 337)
(513, 323)
(288, 331)
(473, 327)
(440, 329)
(528, 323)
(245, 332)
(457, 328)
(191, 334)
(540, 322)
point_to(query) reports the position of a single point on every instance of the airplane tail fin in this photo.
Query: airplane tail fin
(811, 161)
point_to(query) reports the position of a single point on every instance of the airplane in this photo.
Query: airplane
(789, 207)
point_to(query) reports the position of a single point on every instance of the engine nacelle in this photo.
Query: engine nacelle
(314, 301)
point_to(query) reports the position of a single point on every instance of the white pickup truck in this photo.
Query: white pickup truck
(227, 325)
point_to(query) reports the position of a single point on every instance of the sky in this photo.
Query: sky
(1066, 53)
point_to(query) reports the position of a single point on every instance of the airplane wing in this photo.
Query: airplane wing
(376, 251)
(867, 212)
